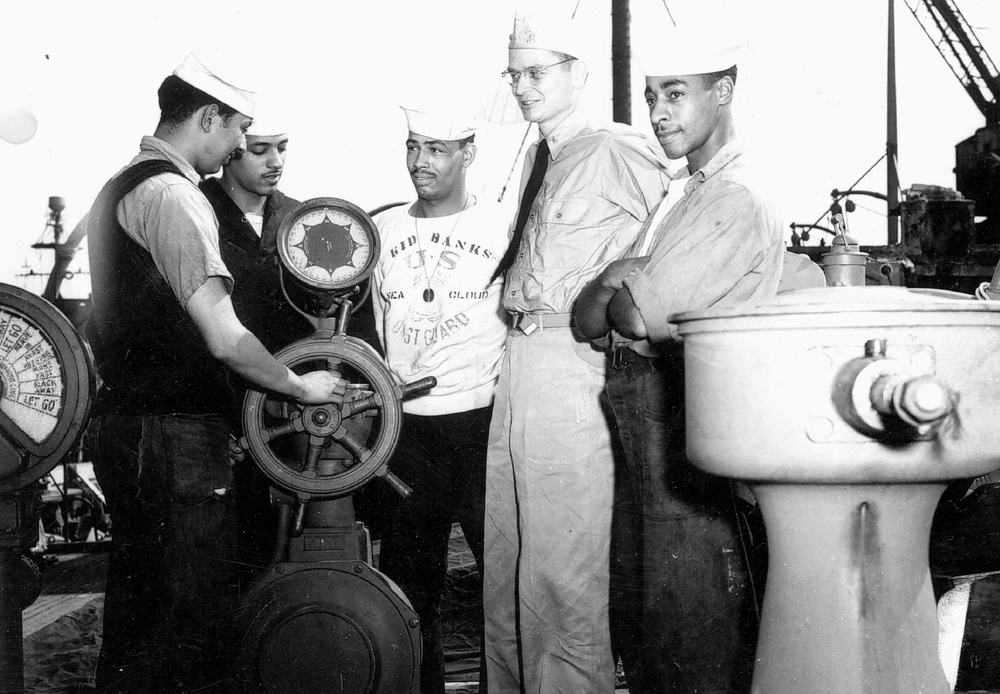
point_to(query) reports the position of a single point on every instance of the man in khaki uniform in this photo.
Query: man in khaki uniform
(587, 188)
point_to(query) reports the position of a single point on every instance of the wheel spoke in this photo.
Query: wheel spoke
(292, 426)
(355, 447)
(333, 366)
(355, 407)
(311, 463)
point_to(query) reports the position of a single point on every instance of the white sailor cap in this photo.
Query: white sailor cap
(269, 118)
(197, 75)
(453, 123)
(546, 30)
(696, 49)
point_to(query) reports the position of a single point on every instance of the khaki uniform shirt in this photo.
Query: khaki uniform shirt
(602, 181)
(720, 245)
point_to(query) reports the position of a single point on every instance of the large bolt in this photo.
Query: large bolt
(321, 417)
(919, 401)
(925, 400)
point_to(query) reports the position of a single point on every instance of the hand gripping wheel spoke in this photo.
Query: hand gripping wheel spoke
(321, 451)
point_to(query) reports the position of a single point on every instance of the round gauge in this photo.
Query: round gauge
(328, 244)
(46, 384)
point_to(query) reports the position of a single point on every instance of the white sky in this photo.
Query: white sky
(810, 97)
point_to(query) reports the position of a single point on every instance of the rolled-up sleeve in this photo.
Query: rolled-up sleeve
(181, 232)
(718, 251)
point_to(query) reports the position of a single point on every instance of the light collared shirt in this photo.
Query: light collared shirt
(602, 181)
(720, 245)
(172, 219)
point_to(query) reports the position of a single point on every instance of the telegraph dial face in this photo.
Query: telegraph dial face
(328, 244)
(32, 377)
(46, 384)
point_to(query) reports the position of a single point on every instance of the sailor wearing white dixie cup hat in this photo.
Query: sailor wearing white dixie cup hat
(250, 209)
(587, 186)
(163, 331)
(690, 623)
(437, 313)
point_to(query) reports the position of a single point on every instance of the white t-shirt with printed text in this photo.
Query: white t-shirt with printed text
(436, 311)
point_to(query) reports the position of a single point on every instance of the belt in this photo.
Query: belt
(528, 323)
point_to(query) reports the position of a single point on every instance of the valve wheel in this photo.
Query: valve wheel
(319, 451)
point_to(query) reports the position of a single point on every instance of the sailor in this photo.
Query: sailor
(163, 332)
(437, 313)
(586, 189)
(719, 244)
(250, 208)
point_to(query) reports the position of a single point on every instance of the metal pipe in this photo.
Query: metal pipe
(621, 73)
(284, 526)
(892, 141)
(11, 625)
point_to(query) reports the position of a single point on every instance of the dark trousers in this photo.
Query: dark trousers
(443, 459)
(170, 590)
(256, 532)
(682, 606)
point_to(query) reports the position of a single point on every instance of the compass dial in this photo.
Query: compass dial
(328, 244)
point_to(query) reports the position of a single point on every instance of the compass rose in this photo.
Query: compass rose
(327, 245)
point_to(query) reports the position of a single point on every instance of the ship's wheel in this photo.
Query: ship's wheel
(360, 434)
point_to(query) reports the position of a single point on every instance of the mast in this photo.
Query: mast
(891, 139)
(621, 76)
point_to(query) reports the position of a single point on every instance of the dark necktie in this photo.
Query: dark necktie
(530, 191)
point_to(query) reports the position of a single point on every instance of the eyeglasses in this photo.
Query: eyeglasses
(534, 73)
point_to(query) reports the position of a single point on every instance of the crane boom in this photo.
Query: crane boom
(957, 43)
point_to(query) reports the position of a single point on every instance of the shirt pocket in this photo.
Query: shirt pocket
(572, 231)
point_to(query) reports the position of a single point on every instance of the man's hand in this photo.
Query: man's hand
(236, 452)
(613, 276)
(320, 387)
(625, 317)
(591, 309)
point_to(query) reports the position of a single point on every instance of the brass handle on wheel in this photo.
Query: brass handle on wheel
(398, 485)
(417, 386)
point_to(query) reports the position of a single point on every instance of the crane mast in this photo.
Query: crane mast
(961, 49)
(977, 158)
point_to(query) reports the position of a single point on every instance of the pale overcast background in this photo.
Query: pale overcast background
(810, 97)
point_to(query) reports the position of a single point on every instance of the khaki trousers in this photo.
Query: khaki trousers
(549, 490)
